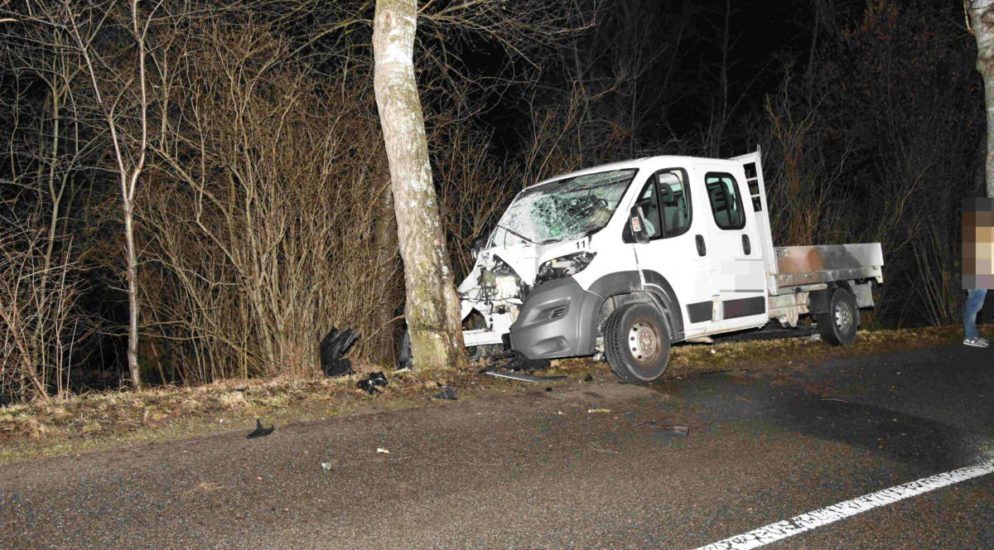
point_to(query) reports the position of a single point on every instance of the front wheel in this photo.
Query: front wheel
(637, 343)
(837, 326)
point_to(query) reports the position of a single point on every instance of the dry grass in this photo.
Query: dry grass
(108, 419)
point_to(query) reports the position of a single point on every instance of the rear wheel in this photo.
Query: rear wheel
(637, 343)
(837, 326)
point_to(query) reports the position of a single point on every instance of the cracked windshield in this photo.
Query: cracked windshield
(566, 209)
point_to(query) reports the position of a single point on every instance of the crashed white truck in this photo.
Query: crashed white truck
(629, 258)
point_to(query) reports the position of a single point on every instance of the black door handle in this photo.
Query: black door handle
(746, 245)
(701, 249)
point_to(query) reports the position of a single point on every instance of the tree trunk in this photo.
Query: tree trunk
(432, 308)
(132, 279)
(981, 17)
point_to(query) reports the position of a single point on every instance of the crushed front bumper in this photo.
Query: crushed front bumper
(557, 320)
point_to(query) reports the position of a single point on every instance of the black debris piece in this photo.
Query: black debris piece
(372, 383)
(588, 378)
(515, 361)
(521, 363)
(333, 348)
(405, 359)
(260, 431)
(446, 393)
(548, 388)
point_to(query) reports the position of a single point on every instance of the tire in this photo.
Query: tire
(637, 343)
(838, 325)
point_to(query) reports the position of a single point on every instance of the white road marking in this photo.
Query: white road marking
(824, 516)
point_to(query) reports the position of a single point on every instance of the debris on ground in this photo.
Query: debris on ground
(382, 451)
(515, 361)
(405, 358)
(326, 466)
(446, 393)
(588, 378)
(260, 431)
(521, 377)
(332, 350)
(596, 411)
(372, 383)
(682, 431)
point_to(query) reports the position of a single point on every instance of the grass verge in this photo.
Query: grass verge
(111, 419)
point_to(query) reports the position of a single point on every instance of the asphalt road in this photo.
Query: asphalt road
(547, 470)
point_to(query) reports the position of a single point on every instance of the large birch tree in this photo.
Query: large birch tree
(432, 308)
(980, 14)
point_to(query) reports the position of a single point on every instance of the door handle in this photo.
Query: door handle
(746, 245)
(701, 249)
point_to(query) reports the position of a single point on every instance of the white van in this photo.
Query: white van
(628, 258)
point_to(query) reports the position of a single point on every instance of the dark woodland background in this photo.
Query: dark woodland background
(264, 216)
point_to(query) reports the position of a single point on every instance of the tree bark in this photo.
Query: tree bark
(432, 307)
(981, 19)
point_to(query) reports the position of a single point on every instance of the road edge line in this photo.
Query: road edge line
(848, 508)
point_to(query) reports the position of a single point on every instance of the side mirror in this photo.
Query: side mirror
(479, 244)
(636, 225)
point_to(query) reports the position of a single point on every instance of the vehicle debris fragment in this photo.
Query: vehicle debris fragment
(596, 411)
(515, 361)
(372, 383)
(326, 466)
(260, 431)
(682, 431)
(520, 377)
(447, 393)
(382, 451)
(332, 350)
(405, 359)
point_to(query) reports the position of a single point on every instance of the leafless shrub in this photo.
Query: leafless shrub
(270, 221)
(39, 321)
(802, 172)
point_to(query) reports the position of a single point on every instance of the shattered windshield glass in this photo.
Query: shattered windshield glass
(567, 208)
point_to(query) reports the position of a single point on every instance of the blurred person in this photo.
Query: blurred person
(978, 264)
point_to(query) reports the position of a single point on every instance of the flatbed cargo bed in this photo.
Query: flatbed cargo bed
(806, 265)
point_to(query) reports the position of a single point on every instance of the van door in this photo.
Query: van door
(736, 263)
(672, 256)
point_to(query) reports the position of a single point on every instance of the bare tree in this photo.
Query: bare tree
(129, 154)
(980, 20)
(432, 308)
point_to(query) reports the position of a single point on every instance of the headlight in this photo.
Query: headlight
(563, 266)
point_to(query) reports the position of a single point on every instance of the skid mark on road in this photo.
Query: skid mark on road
(842, 510)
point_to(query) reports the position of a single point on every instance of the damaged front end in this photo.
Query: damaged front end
(545, 235)
(492, 296)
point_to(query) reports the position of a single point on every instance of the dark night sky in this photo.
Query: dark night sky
(766, 36)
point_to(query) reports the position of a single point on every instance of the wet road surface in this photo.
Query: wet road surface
(553, 470)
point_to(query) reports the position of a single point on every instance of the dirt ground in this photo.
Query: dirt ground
(106, 420)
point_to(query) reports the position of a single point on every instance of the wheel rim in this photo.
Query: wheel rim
(643, 341)
(843, 317)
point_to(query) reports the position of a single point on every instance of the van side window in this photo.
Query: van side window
(674, 200)
(650, 210)
(726, 203)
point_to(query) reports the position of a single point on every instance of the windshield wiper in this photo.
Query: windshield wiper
(516, 234)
